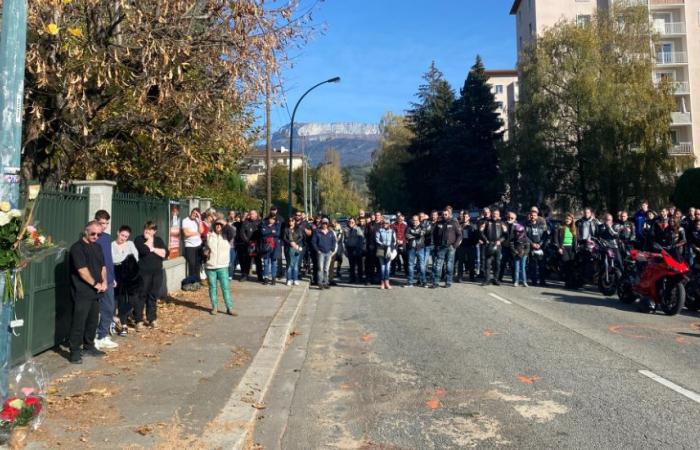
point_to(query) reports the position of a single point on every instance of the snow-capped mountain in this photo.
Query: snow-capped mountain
(355, 142)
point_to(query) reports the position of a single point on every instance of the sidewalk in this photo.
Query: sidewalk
(160, 388)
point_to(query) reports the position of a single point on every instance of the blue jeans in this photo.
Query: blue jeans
(323, 264)
(270, 266)
(106, 312)
(428, 253)
(232, 262)
(413, 255)
(442, 255)
(520, 269)
(293, 265)
(385, 264)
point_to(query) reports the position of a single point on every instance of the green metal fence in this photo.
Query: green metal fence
(135, 210)
(46, 307)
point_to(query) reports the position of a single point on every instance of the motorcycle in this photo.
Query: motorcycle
(597, 263)
(608, 270)
(657, 279)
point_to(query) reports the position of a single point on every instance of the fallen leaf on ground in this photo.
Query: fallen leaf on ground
(433, 404)
(529, 380)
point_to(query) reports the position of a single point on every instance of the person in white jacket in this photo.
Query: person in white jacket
(217, 266)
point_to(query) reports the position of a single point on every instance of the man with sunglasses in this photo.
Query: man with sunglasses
(88, 276)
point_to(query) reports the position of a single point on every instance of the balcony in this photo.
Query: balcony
(681, 149)
(670, 28)
(680, 118)
(665, 3)
(671, 58)
(680, 87)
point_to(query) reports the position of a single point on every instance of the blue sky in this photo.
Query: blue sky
(380, 49)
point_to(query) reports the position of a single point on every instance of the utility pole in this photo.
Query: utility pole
(305, 171)
(13, 45)
(268, 136)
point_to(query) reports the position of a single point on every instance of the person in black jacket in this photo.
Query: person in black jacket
(293, 239)
(538, 235)
(152, 253)
(447, 235)
(250, 236)
(493, 232)
(354, 248)
(466, 253)
(507, 256)
(415, 243)
(694, 243)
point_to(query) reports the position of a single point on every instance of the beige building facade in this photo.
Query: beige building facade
(677, 54)
(504, 85)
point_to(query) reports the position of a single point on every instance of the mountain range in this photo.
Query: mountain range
(355, 142)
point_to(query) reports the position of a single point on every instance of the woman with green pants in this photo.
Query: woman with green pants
(217, 266)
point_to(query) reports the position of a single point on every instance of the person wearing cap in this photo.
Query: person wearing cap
(325, 244)
(386, 252)
(217, 265)
(269, 248)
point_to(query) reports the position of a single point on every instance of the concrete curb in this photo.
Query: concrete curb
(231, 428)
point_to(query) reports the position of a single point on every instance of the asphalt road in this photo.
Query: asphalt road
(528, 368)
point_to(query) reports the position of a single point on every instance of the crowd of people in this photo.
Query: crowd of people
(429, 249)
(115, 282)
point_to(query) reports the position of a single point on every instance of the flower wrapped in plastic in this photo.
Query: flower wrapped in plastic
(25, 406)
(36, 246)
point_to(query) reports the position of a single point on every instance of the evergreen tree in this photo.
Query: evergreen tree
(428, 120)
(470, 171)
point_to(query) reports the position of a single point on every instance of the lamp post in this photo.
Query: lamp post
(291, 141)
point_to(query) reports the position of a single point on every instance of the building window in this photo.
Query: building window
(499, 89)
(499, 105)
(583, 20)
(530, 29)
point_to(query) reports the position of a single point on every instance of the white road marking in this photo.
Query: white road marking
(673, 386)
(500, 299)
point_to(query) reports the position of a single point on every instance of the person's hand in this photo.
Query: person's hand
(561, 251)
(114, 284)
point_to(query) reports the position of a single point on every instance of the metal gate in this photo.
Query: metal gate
(46, 307)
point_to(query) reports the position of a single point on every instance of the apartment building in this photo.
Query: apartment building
(504, 85)
(677, 59)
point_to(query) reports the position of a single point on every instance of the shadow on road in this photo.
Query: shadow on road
(576, 298)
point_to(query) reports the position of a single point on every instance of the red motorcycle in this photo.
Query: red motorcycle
(657, 279)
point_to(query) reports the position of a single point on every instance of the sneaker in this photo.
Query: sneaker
(525, 284)
(231, 313)
(93, 352)
(107, 343)
(154, 324)
(448, 285)
(296, 283)
(273, 282)
(124, 331)
(289, 283)
(516, 284)
(496, 283)
(214, 311)
(408, 285)
(75, 358)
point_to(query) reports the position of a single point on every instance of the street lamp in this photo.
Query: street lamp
(291, 141)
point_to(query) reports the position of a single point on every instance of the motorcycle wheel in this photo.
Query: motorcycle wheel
(624, 293)
(673, 299)
(609, 287)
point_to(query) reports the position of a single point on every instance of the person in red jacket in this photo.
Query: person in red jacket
(399, 227)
